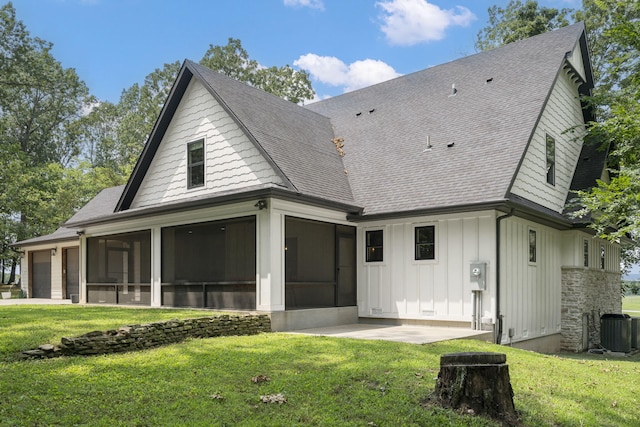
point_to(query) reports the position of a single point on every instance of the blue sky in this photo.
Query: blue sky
(344, 44)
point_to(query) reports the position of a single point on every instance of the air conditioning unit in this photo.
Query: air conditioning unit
(615, 332)
(635, 332)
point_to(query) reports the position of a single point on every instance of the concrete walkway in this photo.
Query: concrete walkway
(404, 333)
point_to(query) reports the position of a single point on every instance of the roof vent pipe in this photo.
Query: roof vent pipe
(453, 90)
(429, 146)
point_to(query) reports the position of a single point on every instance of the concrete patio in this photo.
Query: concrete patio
(401, 333)
(411, 334)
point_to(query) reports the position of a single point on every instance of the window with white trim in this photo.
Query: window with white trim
(533, 246)
(425, 242)
(374, 245)
(195, 164)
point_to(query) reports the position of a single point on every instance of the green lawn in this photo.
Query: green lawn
(326, 381)
(631, 305)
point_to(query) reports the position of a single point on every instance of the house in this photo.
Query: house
(436, 198)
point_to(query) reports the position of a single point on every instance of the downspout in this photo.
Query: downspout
(498, 337)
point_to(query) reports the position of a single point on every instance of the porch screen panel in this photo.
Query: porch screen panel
(210, 264)
(119, 268)
(310, 264)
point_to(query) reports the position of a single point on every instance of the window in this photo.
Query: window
(585, 253)
(551, 160)
(195, 164)
(425, 241)
(533, 249)
(602, 257)
(374, 245)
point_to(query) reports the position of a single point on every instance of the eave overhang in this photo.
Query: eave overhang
(236, 197)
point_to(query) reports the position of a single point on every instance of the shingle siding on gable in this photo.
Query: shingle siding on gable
(231, 159)
(563, 111)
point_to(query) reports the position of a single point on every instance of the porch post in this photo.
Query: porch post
(82, 265)
(269, 260)
(156, 267)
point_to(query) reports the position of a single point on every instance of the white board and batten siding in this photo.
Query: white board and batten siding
(599, 252)
(559, 119)
(530, 292)
(400, 287)
(231, 160)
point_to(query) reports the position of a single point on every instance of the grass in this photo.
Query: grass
(631, 305)
(326, 381)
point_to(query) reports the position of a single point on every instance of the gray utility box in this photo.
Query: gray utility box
(635, 332)
(615, 332)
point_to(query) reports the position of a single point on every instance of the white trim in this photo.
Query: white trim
(436, 244)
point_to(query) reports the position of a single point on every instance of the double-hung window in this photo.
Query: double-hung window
(425, 242)
(374, 244)
(195, 164)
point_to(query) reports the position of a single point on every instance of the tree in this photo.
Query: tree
(613, 30)
(518, 21)
(40, 102)
(615, 205)
(233, 60)
(114, 135)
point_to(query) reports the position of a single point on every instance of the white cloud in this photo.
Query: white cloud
(313, 4)
(332, 71)
(408, 22)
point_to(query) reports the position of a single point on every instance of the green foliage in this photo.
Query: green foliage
(40, 105)
(59, 146)
(632, 288)
(326, 381)
(614, 203)
(518, 21)
(233, 60)
(613, 31)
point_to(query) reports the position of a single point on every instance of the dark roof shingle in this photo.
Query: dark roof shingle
(478, 135)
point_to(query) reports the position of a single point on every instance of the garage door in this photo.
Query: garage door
(41, 274)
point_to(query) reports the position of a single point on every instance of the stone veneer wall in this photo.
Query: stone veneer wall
(587, 293)
(140, 337)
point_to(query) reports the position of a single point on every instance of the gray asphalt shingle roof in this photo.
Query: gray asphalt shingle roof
(103, 204)
(478, 136)
(296, 140)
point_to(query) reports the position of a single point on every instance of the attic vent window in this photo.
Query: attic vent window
(195, 164)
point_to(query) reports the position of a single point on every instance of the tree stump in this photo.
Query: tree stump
(477, 383)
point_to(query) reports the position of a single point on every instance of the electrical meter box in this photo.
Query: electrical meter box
(478, 276)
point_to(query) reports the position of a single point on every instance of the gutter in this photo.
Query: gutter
(498, 331)
(207, 202)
